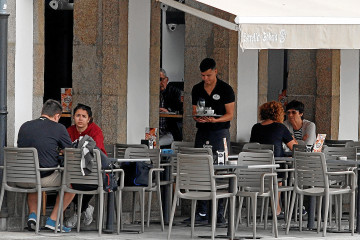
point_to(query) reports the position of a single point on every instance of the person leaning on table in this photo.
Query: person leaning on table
(47, 136)
(271, 131)
(221, 98)
(301, 128)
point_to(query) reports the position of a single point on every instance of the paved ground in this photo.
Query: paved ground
(180, 231)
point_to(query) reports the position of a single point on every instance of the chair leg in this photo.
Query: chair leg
(232, 216)
(149, 209)
(253, 208)
(326, 213)
(160, 208)
(266, 212)
(142, 205)
(38, 210)
(330, 209)
(213, 217)
(319, 214)
(225, 207)
(119, 211)
(248, 211)
(172, 213)
(101, 201)
(262, 210)
(293, 197)
(60, 208)
(23, 211)
(340, 212)
(274, 206)
(352, 213)
(238, 218)
(79, 206)
(192, 218)
(301, 203)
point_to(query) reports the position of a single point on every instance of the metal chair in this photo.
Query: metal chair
(258, 182)
(336, 143)
(21, 165)
(338, 181)
(154, 155)
(257, 146)
(196, 181)
(312, 178)
(352, 144)
(72, 175)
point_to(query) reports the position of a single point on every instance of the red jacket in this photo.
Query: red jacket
(93, 131)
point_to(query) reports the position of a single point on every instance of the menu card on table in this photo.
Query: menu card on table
(319, 142)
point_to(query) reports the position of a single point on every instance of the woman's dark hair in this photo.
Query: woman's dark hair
(295, 105)
(206, 64)
(85, 108)
(273, 111)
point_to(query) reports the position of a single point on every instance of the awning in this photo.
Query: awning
(287, 24)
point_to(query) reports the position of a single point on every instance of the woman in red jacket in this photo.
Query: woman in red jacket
(84, 125)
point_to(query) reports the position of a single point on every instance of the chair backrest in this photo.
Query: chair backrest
(334, 152)
(119, 149)
(195, 172)
(299, 148)
(21, 165)
(352, 144)
(153, 154)
(336, 143)
(254, 145)
(72, 170)
(188, 150)
(310, 170)
(250, 178)
(110, 150)
(178, 144)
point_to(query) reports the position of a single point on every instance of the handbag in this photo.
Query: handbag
(142, 173)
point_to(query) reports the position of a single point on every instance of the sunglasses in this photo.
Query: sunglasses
(292, 112)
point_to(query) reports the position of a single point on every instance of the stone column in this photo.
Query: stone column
(263, 76)
(328, 92)
(204, 39)
(302, 81)
(100, 63)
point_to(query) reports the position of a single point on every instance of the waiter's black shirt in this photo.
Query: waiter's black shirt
(221, 95)
(46, 136)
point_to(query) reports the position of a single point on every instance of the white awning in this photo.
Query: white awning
(288, 24)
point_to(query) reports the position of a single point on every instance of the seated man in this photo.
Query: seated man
(47, 136)
(170, 101)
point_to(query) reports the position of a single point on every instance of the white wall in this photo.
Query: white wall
(138, 96)
(173, 48)
(349, 95)
(23, 63)
(247, 99)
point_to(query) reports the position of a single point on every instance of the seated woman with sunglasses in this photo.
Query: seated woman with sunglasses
(301, 128)
(84, 125)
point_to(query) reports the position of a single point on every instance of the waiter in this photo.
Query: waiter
(221, 98)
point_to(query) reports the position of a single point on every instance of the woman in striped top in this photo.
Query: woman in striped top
(301, 128)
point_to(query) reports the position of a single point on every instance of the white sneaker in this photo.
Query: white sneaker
(88, 216)
(71, 221)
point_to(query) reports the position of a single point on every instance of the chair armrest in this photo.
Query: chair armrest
(151, 171)
(234, 179)
(1, 167)
(285, 170)
(262, 180)
(50, 169)
(165, 165)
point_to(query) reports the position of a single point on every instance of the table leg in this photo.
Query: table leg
(110, 213)
(311, 217)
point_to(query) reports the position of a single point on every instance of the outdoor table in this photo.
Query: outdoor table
(111, 197)
(235, 166)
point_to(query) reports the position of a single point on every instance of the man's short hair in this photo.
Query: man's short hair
(163, 71)
(51, 108)
(206, 64)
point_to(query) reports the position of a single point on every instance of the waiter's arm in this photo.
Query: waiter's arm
(228, 116)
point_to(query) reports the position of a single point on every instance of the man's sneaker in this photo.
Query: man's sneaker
(199, 218)
(88, 216)
(71, 221)
(50, 224)
(304, 212)
(32, 222)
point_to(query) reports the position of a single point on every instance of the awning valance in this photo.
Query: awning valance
(288, 24)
